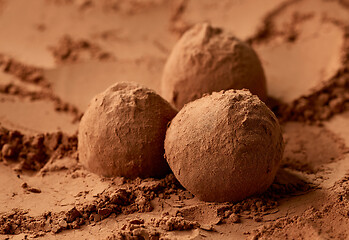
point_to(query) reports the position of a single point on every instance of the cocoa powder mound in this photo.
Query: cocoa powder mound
(69, 50)
(135, 196)
(22, 71)
(33, 152)
(331, 99)
(206, 60)
(156, 229)
(170, 223)
(225, 146)
(136, 230)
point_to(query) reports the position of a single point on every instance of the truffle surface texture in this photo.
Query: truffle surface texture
(225, 147)
(207, 60)
(122, 132)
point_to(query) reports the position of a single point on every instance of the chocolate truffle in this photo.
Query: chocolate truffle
(122, 132)
(225, 146)
(207, 60)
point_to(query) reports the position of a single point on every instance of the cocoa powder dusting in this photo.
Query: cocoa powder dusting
(35, 76)
(133, 198)
(136, 196)
(46, 188)
(314, 220)
(331, 99)
(33, 152)
(69, 50)
(24, 72)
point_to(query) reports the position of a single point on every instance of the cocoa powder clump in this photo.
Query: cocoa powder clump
(69, 50)
(32, 152)
(25, 73)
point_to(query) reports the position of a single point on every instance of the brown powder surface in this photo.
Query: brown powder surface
(29, 82)
(291, 29)
(24, 72)
(329, 220)
(331, 99)
(56, 57)
(127, 197)
(33, 152)
(131, 196)
(309, 156)
(70, 51)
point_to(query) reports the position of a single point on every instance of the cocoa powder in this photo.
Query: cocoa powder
(125, 200)
(34, 75)
(326, 214)
(307, 224)
(33, 152)
(69, 50)
(331, 99)
(24, 72)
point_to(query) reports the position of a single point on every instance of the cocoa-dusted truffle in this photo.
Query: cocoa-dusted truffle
(225, 146)
(122, 132)
(207, 60)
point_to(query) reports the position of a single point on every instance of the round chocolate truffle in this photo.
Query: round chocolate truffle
(122, 132)
(225, 146)
(206, 60)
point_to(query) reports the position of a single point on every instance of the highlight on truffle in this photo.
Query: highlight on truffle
(225, 147)
(207, 60)
(122, 132)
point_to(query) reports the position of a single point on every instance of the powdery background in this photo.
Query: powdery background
(55, 55)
